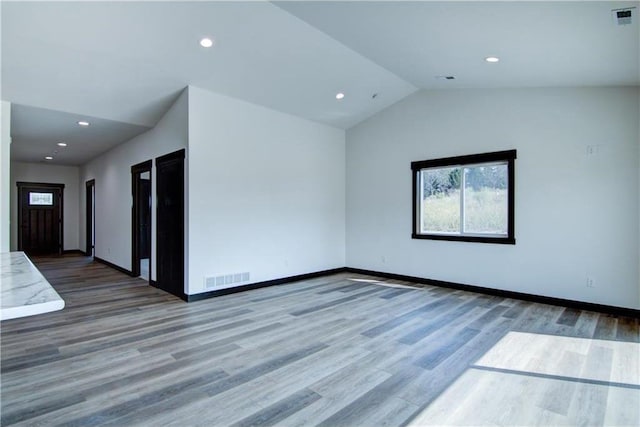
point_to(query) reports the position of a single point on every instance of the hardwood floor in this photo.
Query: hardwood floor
(329, 351)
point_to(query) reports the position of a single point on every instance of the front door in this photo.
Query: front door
(40, 218)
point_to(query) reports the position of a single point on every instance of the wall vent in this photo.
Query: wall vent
(225, 279)
(623, 16)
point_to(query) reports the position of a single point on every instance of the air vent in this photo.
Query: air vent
(623, 16)
(225, 279)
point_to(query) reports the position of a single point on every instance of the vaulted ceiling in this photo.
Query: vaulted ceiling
(120, 65)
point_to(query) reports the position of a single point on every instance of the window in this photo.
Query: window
(45, 199)
(466, 198)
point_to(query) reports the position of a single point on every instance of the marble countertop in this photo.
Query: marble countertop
(23, 289)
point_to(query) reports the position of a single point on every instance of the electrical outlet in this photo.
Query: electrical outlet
(591, 282)
(593, 150)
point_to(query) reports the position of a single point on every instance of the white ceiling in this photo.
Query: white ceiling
(125, 62)
(33, 130)
(571, 43)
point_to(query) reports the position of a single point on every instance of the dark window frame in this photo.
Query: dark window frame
(507, 156)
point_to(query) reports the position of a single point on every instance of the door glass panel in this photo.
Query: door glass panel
(45, 199)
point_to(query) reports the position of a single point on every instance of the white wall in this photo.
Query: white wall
(267, 192)
(112, 174)
(576, 215)
(5, 180)
(50, 174)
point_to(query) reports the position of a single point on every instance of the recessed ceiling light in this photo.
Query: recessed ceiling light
(206, 42)
(339, 95)
(492, 59)
(48, 158)
(83, 123)
(62, 144)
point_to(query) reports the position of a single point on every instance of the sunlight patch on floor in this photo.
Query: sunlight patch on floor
(536, 379)
(380, 282)
(602, 360)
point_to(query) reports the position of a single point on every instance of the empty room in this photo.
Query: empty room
(320, 213)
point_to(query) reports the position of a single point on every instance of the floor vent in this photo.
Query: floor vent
(225, 279)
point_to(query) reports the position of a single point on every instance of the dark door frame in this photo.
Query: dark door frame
(136, 171)
(90, 221)
(26, 186)
(175, 227)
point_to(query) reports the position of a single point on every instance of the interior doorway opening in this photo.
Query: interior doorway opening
(141, 220)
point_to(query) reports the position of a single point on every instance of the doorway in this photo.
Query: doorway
(40, 218)
(141, 220)
(170, 223)
(90, 232)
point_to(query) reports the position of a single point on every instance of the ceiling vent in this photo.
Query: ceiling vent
(623, 16)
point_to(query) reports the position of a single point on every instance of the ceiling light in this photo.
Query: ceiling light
(83, 123)
(492, 59)
(206, 42)
(339, 95)
(48, 158)
(62, 144)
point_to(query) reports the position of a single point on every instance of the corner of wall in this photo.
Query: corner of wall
(112, 174)
(5, 179)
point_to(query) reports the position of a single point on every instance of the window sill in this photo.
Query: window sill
(474, 239)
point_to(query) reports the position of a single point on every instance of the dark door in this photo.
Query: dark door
(90, 220)
(40, 218)
(170, 223)
(144, 217)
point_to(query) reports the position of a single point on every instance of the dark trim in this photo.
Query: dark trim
(511, 205)
(142, 167)
(465, 160)
(415, 206)
(136, 171)
(37, 185)
(73, 252)
(176, 155)
(114, 266)
(580, 305)
(90, 187)
(274, 282)
(498, 156)
(476, 239)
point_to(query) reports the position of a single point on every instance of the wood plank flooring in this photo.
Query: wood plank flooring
(329, 351)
